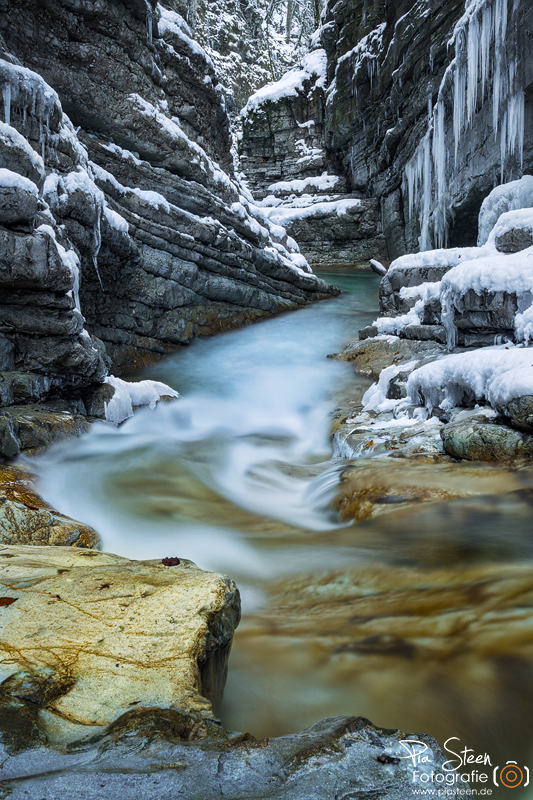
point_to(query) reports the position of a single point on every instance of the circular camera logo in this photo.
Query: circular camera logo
(511, 775)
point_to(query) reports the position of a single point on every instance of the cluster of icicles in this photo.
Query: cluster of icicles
(484, 67)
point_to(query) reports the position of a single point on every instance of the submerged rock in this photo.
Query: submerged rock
(444, 645)
(89, 637)
(416, 472)
(520, 412)
(26, 519)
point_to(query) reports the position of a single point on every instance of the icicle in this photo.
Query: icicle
(95, 263)
(76, 288)
(149, 22)
(6, 92)
(97, 238)
(459, 90)
(439, 147)
(472, 60)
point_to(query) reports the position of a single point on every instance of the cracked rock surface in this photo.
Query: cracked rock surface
(88, 637)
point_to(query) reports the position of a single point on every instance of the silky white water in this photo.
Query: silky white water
(251, 400)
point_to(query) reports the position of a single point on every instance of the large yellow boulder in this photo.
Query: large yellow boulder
(86, 637)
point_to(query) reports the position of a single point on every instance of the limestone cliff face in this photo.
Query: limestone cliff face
(425, 107)
(130, 229)
(302, 184)
(428, 102)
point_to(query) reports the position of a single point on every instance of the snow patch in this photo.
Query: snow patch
(172, 22)
(286, 216)
(116, 221)
(127, 395)
(298, 186)
(495, 375)
(314, 65)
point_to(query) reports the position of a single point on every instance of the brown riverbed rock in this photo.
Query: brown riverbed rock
(445, 650)
(87, 637)
(374, 486)
(370, 356)
(26, 519)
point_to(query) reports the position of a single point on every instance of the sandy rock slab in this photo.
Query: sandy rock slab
(90, 637)
(26, 519)
(346, 758)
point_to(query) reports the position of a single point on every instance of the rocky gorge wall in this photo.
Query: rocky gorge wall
(424, 107)
(301, 183)
(124, 233)
(429, 107)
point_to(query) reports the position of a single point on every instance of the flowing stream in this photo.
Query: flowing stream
(419, 619)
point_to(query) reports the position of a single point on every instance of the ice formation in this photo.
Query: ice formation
(127, 395)
(484, 67)
(22, 87)
(366, 51)
(508, 197)
(483, 270)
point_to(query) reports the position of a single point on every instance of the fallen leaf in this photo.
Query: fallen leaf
(6, 601)
(370, 443)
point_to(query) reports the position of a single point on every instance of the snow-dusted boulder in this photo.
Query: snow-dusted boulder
(18, 198)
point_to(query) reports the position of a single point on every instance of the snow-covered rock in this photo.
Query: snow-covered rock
(128, 395)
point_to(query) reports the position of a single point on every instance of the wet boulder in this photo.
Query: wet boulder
(476, 441)
(31, 428)
(520, 412)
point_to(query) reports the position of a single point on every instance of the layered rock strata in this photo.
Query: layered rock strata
(128, 230)
(301, 183)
